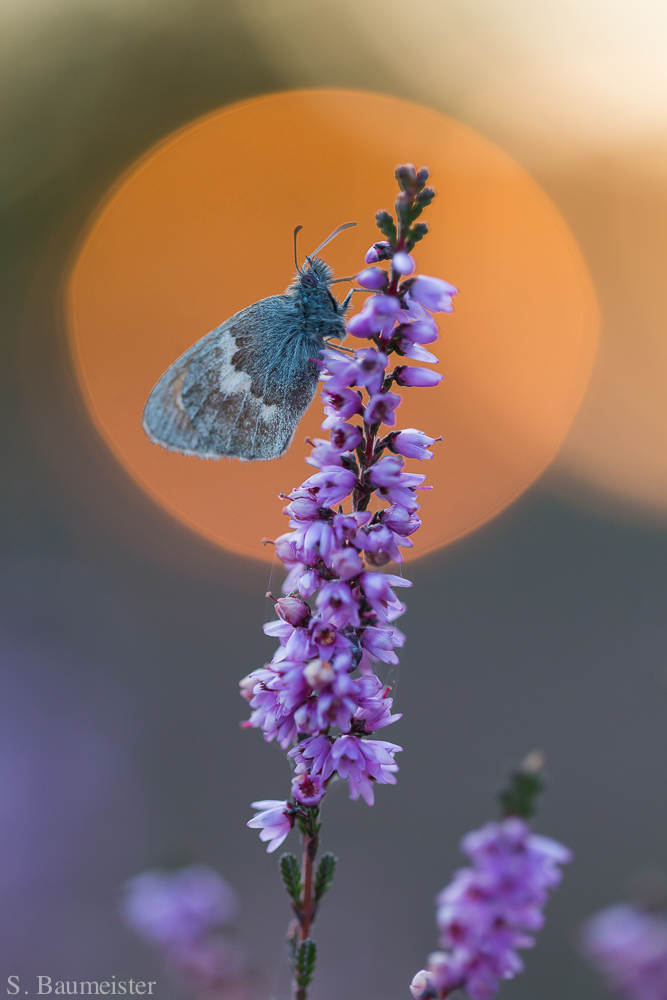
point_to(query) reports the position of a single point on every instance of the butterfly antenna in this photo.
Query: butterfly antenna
(346, 225)
(296, 259)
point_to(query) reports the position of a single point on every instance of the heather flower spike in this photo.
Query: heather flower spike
(628, 944)
(489, 910)
(320, 698)
(187, 915)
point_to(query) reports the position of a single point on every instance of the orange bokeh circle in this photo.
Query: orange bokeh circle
(201, 227)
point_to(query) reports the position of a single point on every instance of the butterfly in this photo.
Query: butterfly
(241, 390)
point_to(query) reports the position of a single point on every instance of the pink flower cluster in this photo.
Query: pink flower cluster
(186, 915)
(349, 520)
(629, 946)
(488, 911)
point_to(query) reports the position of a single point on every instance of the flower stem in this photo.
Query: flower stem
(310, 844)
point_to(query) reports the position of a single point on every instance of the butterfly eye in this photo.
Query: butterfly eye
(308, 280)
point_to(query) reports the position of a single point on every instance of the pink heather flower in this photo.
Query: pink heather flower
(172, 909)
(345, 437)
(340, 406)
(346, 563)
(379, 251)
(402, 263)
(378, 312)
(281, 630)
(380, 643)
(317, 540)
(332, 486)
(421, 331)
(629, 947)
(362, 762)
(374, 710)
(337, 698)
(308, 582)
(393, 485)
(293, 610)
(311, 754)
(326, 639)
(380, 542)
(275, 821)
(412, 443)
(380, 409)
(378, 592)
(374, 278)
(416, 351)
(421, 377)
(324, 455)
(336, 604)
(308, 789)
(278, 692)
(401, 521)
(346, 526)
(434, 293)
(302, 510)
(370, 368)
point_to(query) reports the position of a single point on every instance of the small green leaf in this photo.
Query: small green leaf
(304, 966)
(324, 875)
(525, 784)
(425, 197)
(385, 224)
(406, 175)
(291, 876)
(416, 234)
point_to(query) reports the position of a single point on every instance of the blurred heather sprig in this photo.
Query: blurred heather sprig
(628, 945)
(187, 914)
(320, 697)
(490, 909)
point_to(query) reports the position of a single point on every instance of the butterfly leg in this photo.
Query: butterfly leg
(348, 298)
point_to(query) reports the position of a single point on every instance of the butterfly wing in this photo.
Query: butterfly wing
(241, 390)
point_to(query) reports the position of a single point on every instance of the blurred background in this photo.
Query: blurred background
(123, 634)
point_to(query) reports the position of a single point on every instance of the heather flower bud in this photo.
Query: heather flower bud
(293, 610)
(403, 263)
(308, 789)
(380, 409)
(379, 251)
(421, 377)
(421, 985)
(374, 278)
(422, 176)
(247, 686)
(434, 293)
(406, 175)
